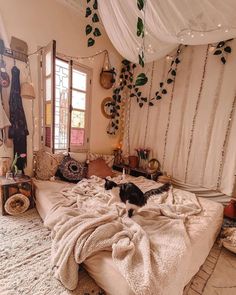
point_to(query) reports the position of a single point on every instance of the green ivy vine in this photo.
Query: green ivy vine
(141, 80)
(91, 13)
(141, 30)
(127, 82)
(170, 76)
(126, 78)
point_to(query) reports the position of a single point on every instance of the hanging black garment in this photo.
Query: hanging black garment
(18, 130)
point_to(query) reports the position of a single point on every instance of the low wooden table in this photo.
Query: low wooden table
(137, 171)
(10, 187)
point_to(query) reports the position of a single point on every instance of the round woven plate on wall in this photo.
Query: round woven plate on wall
(17, 204)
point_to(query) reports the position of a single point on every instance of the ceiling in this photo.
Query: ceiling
(76, 5)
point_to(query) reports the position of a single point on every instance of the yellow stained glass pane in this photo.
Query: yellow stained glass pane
(48, 114)
(77, 119)
(48, 136)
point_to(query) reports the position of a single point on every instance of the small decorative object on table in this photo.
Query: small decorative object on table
(133, 161)
(16, 195)
(14, 168)
(153, 165)
(4, 165)
(117, 156)
(143, 155)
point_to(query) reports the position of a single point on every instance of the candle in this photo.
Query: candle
(123, 174)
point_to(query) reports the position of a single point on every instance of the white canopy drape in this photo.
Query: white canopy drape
(3, 33)
(167, 24)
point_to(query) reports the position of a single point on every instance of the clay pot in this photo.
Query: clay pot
(230, 209)
(133, 161)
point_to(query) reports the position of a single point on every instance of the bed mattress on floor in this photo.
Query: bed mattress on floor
(202, 230)
(47, 194)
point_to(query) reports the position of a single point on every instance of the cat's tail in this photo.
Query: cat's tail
(156, 191)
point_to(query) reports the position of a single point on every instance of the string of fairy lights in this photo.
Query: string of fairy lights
(216, 100)
(195, 113)
(188, 75)
(168, 121)
(192, 33)
(209, 48)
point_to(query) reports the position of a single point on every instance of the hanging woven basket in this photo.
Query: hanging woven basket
(107, 75)
(107, 78)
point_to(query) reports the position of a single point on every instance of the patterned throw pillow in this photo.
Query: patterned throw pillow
(46, 164)
(71, 170)
(109, 159)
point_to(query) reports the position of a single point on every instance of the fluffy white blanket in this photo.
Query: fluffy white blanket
(147, 248)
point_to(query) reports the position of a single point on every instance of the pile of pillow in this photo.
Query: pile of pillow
(64, 167)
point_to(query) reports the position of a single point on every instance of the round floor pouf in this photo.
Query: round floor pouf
(17, 204)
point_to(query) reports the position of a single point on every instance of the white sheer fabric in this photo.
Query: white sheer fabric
(198, 163)
(3, 33)
(168, 23)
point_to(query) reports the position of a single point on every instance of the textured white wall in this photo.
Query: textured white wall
(38, 22)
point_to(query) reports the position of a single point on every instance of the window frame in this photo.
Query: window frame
(50, 48)
(72, 65)
(88, 71)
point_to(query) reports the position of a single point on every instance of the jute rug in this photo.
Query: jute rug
(25, 248)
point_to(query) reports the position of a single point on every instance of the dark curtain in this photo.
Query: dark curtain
(18, 130)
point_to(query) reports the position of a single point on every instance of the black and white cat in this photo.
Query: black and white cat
(131, 195)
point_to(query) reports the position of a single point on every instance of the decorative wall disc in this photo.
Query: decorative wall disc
(17, 204)
(106, 107)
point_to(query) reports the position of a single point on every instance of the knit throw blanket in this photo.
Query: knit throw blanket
(151, 245)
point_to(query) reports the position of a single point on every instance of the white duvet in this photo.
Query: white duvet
(149, 250)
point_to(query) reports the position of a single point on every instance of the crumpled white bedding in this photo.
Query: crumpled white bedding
(152, 245)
